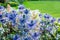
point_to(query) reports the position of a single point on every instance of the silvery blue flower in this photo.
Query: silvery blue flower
(12, 17)
(24, 33)
(26, 30)
(21, 7)
(35, 35)
(16, 37)
(19, 39)
(49, 28)
(42, 23)
(28, 38)
(7, 15)
(0, 16)
(13, 22)
(26, 11)
(3, 20)
(41, 29)
(23, 19)
(14, 11)
(46, 16)
(59, 20)
(53, 20)
(1, 8)
(21, 26)
(40, 15)
(32, 23)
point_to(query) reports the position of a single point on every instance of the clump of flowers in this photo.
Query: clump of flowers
(26, 24)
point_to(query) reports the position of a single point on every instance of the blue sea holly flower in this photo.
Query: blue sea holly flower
(49, 29)
(26, 11)
(7, 15)
(35, 35)
(42, 23)
(26, 17)
(59, 20)
(41, 29)
(13, 22)
(1, 8)
(21, 7)
(53, 20)
(19, 39)
(16, 37)
(12, 16)
(28, 38)
(40, 15)
(46, 16)
(32, 23)
(3, 20)
(23, 19)
(21, 26)
(14, 13)
(26, 30)
(23, 33)
(1, 16)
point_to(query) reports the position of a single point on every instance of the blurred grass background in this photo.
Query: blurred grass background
(50, 7)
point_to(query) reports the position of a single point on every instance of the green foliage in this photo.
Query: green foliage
(2, 4)
(43, 0)
(13, 4)
(33, 0)
(18, 1)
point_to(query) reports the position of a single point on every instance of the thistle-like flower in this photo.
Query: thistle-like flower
(1, 8)
(28, 25)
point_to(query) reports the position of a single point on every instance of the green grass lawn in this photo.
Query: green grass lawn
(51, 7)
